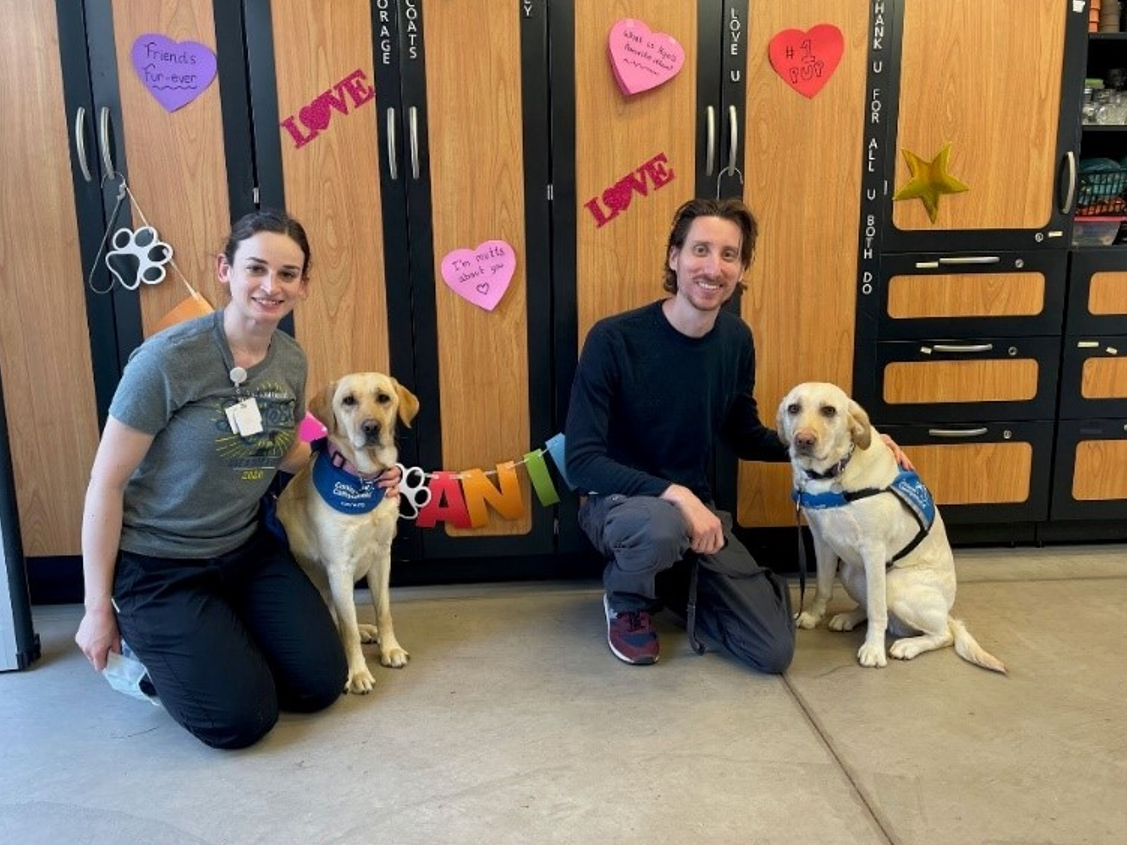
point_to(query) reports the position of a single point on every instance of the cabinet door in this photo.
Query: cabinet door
(621, 165)
(1094, 377)
(313, 70)
(1004, 294)
(45, 341)
(965, 379)
(182, 166)
(1088, 481)
(982, 472)
(802, 179)
(994, 84)
(1097, 292)
(474, 98)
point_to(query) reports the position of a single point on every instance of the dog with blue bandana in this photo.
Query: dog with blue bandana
(878, 524)
(338, 521)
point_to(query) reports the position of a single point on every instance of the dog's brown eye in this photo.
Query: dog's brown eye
(829, 411)
(383, 398)
(793, 408)
(349, 400)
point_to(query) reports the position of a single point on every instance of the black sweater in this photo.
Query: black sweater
(648, 404)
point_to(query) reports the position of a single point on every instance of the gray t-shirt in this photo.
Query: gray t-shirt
(196, 492)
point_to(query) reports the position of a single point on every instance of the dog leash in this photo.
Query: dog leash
(691, 609)
(801, 555)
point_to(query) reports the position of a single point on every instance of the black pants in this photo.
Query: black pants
(229, 640)
(740, 604)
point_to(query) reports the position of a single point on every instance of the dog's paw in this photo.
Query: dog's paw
(872, 655)
(807, 620)
(395, 657)
(368, 633)
(360, 681)
(905, 649)
(846, 621)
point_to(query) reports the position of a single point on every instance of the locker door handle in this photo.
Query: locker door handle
(80, 142)
(104, 138)
(1070, 195)
(965, 347)
(733, 138)
(392, 147)
(710, 145)
(413, 126)
(954, 433)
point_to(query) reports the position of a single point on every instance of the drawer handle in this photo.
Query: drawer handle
(971, 259)
(733, 137)
(413, 126)
(953, 433)
(968, 347)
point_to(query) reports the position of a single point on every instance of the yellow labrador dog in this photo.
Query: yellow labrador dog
(880, 522)
(339, 523)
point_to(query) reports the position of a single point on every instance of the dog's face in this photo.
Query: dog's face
(360, 410)
(819, 423)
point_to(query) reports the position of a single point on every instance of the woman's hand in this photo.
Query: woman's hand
(389, 480)
(98, 635)
(898, 453)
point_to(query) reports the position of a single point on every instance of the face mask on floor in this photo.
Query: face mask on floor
(127, 674)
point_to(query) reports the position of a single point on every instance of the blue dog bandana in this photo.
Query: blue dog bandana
(342, 490)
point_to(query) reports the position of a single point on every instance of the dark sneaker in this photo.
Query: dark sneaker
(630, 635)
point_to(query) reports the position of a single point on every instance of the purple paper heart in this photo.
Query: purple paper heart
(175, 72)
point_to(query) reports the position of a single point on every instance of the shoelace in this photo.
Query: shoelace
(635, 619)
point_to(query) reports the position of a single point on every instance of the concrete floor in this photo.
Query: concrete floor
(514, 724)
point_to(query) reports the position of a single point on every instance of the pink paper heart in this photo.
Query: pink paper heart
(480, 275)
(174, 72)
(642, 59)
(311, 429)
(806, 60)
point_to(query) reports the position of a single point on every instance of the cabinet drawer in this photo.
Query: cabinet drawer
(1094, 378)
(1089, 481)
(988, 472)
(1004, 294)
(952, 380)
(1097, 293)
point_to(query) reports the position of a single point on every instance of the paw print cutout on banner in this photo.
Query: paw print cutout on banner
(413, 492)
(138, 257)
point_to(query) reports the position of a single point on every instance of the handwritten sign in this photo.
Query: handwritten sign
(617, 197)
(642, 59)
(316, 115)
(480, 275)
(806, 60)
(175, 73)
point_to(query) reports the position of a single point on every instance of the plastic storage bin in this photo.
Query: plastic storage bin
(1095, 231)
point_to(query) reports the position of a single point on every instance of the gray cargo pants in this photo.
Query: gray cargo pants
(739, 604)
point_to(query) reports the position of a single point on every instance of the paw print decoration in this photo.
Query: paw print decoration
(138, 256)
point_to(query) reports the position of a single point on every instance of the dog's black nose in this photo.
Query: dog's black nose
(371, 429)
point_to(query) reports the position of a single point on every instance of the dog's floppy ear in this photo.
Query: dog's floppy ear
(859, 425)
(408, 404)
(321, 407)
(780, 422)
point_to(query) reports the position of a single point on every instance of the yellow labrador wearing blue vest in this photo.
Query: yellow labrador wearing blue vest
(339, 524)
(879, 523)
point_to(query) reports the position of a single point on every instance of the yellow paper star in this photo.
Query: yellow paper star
(929, 180)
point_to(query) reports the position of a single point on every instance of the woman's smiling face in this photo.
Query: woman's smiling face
(267, 277)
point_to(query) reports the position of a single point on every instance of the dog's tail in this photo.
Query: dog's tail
(967, 647)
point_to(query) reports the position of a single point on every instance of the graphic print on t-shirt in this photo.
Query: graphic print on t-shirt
(255, 454)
